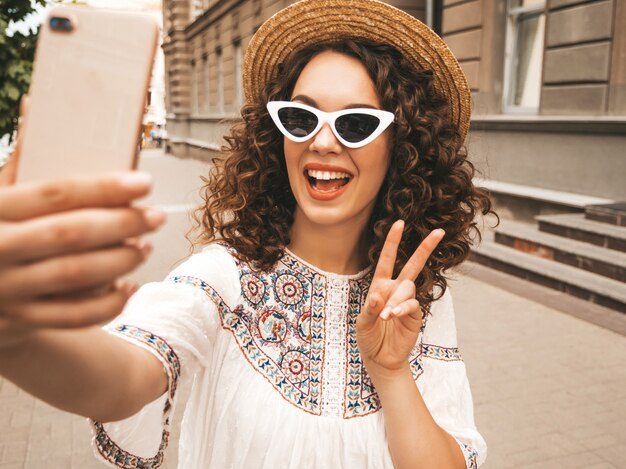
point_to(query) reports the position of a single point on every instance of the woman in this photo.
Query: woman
(316, 326)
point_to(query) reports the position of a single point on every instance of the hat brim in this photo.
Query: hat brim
(316, 21)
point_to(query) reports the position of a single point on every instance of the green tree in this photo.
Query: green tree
(16, 60)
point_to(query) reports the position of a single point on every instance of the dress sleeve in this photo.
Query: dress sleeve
(444, 385)
(177, 322)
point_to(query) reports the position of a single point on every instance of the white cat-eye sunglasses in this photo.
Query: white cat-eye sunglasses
(354, 127)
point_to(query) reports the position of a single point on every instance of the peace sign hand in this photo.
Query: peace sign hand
(388, 325)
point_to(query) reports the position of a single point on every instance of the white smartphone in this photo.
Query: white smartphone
(88, 93)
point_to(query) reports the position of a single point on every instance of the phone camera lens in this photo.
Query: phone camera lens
(58, 23)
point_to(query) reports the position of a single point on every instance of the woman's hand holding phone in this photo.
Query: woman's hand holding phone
(63, 245)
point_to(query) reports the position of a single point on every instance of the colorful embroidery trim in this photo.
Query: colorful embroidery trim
(297, 328)
(471, 456)
(109, 450)
(361, 398)
(284, 347)
(123, 459)
(447, 354)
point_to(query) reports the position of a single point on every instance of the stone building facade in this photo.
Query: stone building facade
(204, 43)
(549, 86)
(548, 80)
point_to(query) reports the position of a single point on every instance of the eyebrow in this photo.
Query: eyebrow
(311, 102)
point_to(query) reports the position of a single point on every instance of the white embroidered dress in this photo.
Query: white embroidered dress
(277, 379)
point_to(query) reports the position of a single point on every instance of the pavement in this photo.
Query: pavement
(548, 384)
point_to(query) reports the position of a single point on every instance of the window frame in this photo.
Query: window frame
(238, 70)
(206, 83)
(513, 16)
(219, 70)
(194, 88)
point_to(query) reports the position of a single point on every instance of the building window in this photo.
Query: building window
(205, 83)
(238, 77)
(220, 81)
(194, 88)
(526, 21)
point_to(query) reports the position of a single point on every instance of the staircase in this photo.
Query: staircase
(582, 254)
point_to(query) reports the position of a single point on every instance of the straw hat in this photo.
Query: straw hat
(315, 21)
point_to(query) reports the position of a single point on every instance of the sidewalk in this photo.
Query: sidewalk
(548, 387)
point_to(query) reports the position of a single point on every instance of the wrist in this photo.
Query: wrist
(383, 375)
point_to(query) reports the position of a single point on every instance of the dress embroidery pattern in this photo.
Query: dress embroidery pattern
(471, 456)
(360, 395)
(297, 328)
(109, 450)
(290, 362)
(334, 381)
(446, 354)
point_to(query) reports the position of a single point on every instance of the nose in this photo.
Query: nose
(325, 142)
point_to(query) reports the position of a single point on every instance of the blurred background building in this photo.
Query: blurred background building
(548, 131)
(154, 116)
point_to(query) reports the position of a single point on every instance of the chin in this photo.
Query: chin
(337, 213)
(351, 206)
(326, 215)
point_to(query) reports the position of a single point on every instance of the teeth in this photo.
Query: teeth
(327, 175)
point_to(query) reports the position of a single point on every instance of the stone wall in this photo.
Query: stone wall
(575, 143)
(577, 59)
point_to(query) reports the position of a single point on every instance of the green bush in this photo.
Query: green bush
(16, 60)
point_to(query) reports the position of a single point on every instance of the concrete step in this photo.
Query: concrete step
(586, 285)
(615, 214)
(527, 238)
(576, 226)
(557, 198)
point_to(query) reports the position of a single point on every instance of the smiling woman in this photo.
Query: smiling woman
(344, 139)
(323, 208)
(264, 178)
(316, 326)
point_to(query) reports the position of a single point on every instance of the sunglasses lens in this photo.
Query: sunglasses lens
(298, 122)
(356, 127)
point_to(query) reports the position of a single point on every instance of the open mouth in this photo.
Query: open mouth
(327, 181)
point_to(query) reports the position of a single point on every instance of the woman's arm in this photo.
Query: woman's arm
(387, 330)
(63, 246)
(415, 440)
(85, 371)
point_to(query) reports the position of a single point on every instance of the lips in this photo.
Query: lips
(326, 182)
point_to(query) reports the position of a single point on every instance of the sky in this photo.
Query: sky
(33, 20)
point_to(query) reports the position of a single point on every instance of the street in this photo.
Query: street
(548, 387)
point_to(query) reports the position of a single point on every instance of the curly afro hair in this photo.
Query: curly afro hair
(249, 205)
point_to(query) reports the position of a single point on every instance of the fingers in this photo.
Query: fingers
(373, 305)
(70, 273)
(387, 258)
(416, 263)
(73, 231)
(75, 312)
(410, 308)
(29, 200)
(403, 292)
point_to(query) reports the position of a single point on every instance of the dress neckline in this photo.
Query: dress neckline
(356, 276)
